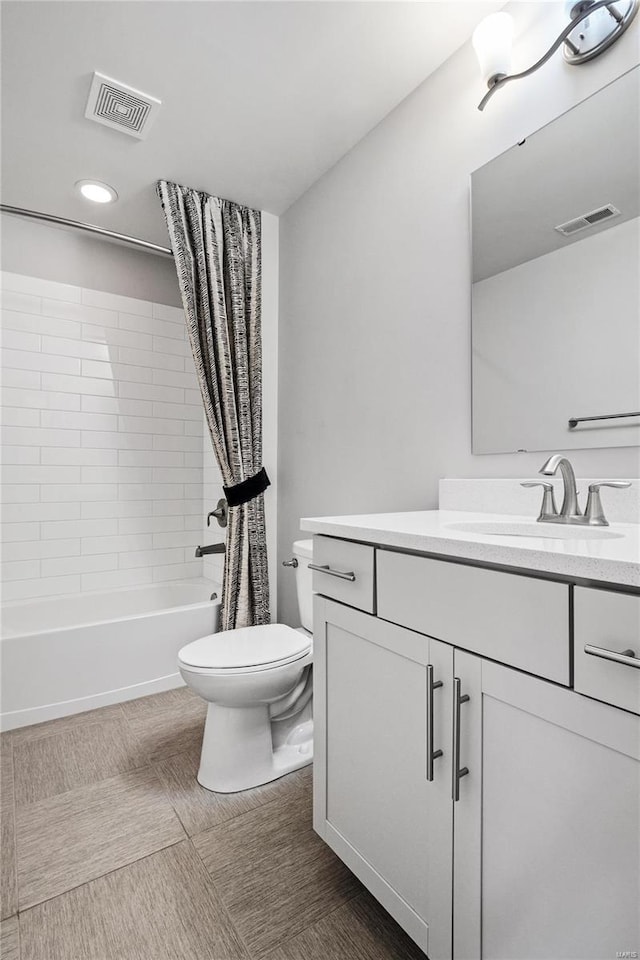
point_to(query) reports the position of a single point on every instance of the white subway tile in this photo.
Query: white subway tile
(43, 587)
(170, 314)
(178, 411)
(82, 564)
(41, 474)
(119, 544)
(151, 458)
(20, 340)
(178, 571)
(65, 384)
(117, 474)
(150, 425)
(190, 460)
(59, 530)
(152, 491)
(20, 417)
(19, 570)
(150, 524)
(82, 349)
(39, 399)
(78, 421)
(35, 436)
(177, 475)
(193, 428)
(20, 302)
(115, 578)
(23, 360)
(193, 523)
(80, 456)
(79, 313)
(161, 442)
(115, 405)
(149, 558)
(118, 508)
(31, 512)
(12, 532)
(60, 492)
(13, 455)
(184, 538)
(114, 337)
(193, 490)
(19, 493)
(115, 371)
(147, 391)
(113, 301)
(194, 397)
(38, 287)
(173, 378)
(167, 345)
(22, 379)
(178, 507)
(35, 549)
(36, 323)
(118, 441)
(150, 358)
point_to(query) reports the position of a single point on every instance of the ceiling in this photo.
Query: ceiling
(587, 158)
(259, 99)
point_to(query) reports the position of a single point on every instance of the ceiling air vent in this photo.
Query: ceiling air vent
(120, 107)
(587, 220)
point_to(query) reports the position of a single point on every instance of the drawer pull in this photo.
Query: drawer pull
(627, 657)
(458, 772)
(325, 568)
(431, 753)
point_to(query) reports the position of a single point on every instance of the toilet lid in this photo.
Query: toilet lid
(246, 647)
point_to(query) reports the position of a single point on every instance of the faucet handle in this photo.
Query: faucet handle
(548, 508)
(594, 512)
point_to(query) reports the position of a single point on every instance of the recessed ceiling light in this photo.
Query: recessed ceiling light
(96, 191)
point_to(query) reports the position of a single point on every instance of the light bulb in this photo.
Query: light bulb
(492, 43)
(96, 191)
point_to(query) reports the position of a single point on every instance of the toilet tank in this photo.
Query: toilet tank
(303, 552)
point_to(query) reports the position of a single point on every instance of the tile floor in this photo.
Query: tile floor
(111, 851)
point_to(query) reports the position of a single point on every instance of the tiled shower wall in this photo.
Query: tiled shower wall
(102, 442)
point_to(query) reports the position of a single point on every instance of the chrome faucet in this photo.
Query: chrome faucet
(570, 510)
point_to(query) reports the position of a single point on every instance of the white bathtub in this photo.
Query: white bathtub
(63, 655)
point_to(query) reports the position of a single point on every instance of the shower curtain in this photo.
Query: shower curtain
(217, 249)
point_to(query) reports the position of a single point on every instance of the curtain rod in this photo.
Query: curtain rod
(87, 228)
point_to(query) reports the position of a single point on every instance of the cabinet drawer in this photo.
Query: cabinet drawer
(609, 622)
(517, 620)
(344, 557)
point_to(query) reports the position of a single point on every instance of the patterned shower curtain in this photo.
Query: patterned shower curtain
(217, 250)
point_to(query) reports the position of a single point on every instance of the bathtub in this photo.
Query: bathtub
(63, 655)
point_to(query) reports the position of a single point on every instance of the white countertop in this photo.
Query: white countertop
(615, 560)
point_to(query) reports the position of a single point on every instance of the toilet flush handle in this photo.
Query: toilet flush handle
(290, 563)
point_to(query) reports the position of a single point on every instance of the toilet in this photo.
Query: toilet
(257, 682)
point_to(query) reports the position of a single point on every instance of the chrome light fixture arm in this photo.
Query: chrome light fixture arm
(622, 22)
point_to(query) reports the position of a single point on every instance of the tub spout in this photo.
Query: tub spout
(211, 548)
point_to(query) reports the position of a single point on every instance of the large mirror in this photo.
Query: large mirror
(556, 294)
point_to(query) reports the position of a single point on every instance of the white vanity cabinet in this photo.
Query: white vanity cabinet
(374, 690)
(546, 832)
(533, 849)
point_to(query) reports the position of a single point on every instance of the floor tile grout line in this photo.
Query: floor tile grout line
(124, 866)
(222, 903)
(309, 926)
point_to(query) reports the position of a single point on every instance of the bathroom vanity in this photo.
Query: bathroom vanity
(475, 766)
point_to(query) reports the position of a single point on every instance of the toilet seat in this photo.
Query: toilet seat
(245, 650)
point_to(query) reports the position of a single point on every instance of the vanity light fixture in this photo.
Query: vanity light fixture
(595, 25)
(96, 191)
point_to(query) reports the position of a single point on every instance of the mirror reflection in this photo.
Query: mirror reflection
(555, 295)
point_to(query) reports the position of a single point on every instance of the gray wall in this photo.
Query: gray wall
(374, 359)
(65, 255)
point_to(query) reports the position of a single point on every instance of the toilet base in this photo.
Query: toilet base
(238, 750)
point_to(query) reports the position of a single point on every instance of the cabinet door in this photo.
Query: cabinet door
(373, 801)
(547, 827)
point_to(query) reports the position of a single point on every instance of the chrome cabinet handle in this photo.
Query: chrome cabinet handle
(627, 657)
(325, 568)
(431, 753)
(458, 772)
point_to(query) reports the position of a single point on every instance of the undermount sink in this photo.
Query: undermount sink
(542, 531)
